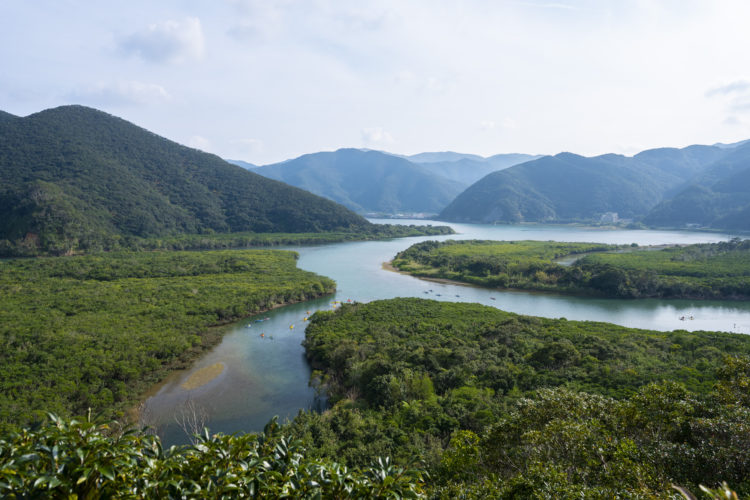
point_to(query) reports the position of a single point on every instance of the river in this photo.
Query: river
(268, 375)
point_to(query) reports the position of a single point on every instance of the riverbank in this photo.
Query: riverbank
(97, 332)
(181, 367)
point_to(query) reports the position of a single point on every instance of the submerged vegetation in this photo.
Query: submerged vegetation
(700, 271)
(95, 331)
(511, 406)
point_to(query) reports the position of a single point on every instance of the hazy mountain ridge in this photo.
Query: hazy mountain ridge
(441, 156)
(367, 181)
(75, 178)
(377, 181)
(468, 170)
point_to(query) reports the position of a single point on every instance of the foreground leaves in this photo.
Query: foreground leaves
(80, 459)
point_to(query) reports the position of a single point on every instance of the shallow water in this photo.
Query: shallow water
(267, 376)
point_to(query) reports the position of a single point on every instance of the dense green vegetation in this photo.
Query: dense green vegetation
(572, 188)
(496, 405)
(703, 271)
(95, 331)
(246, 240)
(77, 459)
(75, 179)
(367, 181)
(509, 406)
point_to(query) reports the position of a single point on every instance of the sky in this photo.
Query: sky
(264, 81)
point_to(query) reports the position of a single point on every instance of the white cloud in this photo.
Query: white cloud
(737, 86)
(120, 93)
(735, 97)
(733, 120)
(376, 136)
(170, 41)
(199, 142)
(313, 75)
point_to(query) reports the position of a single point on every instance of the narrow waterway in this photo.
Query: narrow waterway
(266, 375)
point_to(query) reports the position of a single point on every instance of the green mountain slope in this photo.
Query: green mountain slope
(718, 198)
(367, 181)
(568, 187)
(74, 178)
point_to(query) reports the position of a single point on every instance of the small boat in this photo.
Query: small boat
(262, 334)
(492, 298)
(305, 319)
(291, 326)
(457, 295)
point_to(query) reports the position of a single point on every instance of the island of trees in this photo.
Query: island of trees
(500, 405)
(700, 271)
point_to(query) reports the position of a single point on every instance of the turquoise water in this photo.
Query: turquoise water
(267, 376)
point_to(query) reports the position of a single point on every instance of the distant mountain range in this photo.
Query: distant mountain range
(694, 186)
(368, 181)
(74, 178)
(467, 169)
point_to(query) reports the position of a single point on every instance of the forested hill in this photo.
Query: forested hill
(569, 187)
(367, 181)
(73, 178)
(719, 197)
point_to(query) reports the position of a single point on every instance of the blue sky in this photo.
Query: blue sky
(263, 81)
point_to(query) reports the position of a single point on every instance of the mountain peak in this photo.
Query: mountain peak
(81, 179)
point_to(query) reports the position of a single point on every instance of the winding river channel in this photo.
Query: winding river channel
(260, 376)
